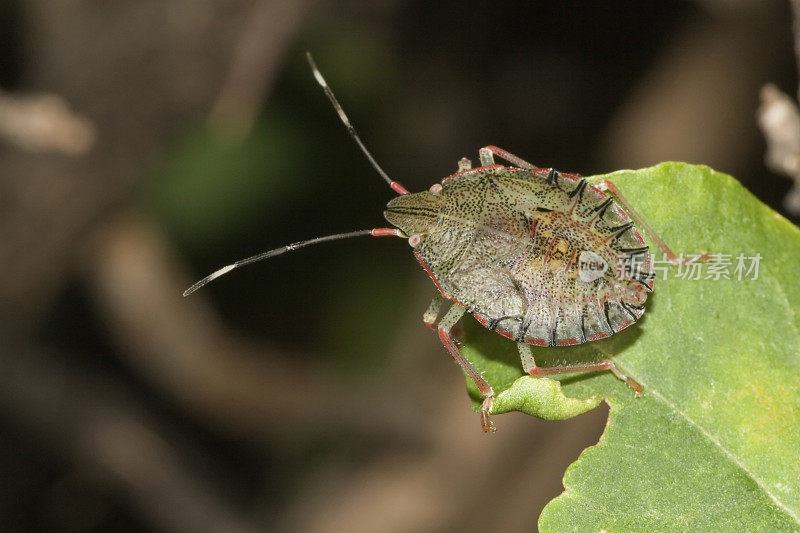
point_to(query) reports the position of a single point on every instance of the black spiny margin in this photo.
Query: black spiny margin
(648, 288)
(583, 325)
(635, 309)
(553, 331)
(552, 178)
(642, 277)
(578, 190)
(634, 251)
(601, 209)
(619, 230)
(628, 310)
(608, 318)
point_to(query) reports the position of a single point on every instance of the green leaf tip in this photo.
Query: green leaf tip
(542, 398)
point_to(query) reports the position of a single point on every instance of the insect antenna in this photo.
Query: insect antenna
(396, 187)
(376, 232)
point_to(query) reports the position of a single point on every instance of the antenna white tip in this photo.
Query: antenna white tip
(377, 232)
(315, 70)
(350, 129)
(221, 272)
(319, 78)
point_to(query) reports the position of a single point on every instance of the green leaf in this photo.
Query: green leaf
(713, 443)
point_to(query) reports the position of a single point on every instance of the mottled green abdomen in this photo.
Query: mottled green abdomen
(543, 259)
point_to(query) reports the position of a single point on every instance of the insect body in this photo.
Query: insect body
(535, 255)
(539, 256)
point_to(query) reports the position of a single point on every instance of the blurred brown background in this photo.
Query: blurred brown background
(144, 144)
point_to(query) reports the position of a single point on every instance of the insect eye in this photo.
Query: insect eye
(436, 188)
(414, 240)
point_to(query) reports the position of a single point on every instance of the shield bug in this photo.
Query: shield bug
(539, 256)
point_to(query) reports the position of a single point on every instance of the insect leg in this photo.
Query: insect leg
(526, 356)
(487, 159)
(452, 316)
(432, 313)
(508, 156)
(612, 189)
(606, 364)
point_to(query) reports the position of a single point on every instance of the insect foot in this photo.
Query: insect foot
(486, 421)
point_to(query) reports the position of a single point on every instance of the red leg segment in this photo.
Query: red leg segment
(607, 364)
(454, 315)
(508, 156)
(612, 189)
(529, 365)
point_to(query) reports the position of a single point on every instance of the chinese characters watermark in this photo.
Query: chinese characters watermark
(719, 266)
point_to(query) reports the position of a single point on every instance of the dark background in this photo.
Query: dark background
(304, 394)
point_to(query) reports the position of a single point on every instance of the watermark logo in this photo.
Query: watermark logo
(739, 267)
(591, 266)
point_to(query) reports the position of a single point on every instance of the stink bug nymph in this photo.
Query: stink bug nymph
(539, 256)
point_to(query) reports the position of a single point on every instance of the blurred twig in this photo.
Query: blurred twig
(44, 123)
(140, 79)
(779, 119)
(685, 107)
(141, 71)
(179, 344)
(269, 31)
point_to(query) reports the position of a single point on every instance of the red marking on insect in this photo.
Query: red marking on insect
(428, 270)
(597, 190)
(532, 227)
(505, 333)
(536, 342)
(568, 342)
(385, 232)
(597, 336)
(571, 260)
(399, 189)
(549, 247)
(570, 177)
